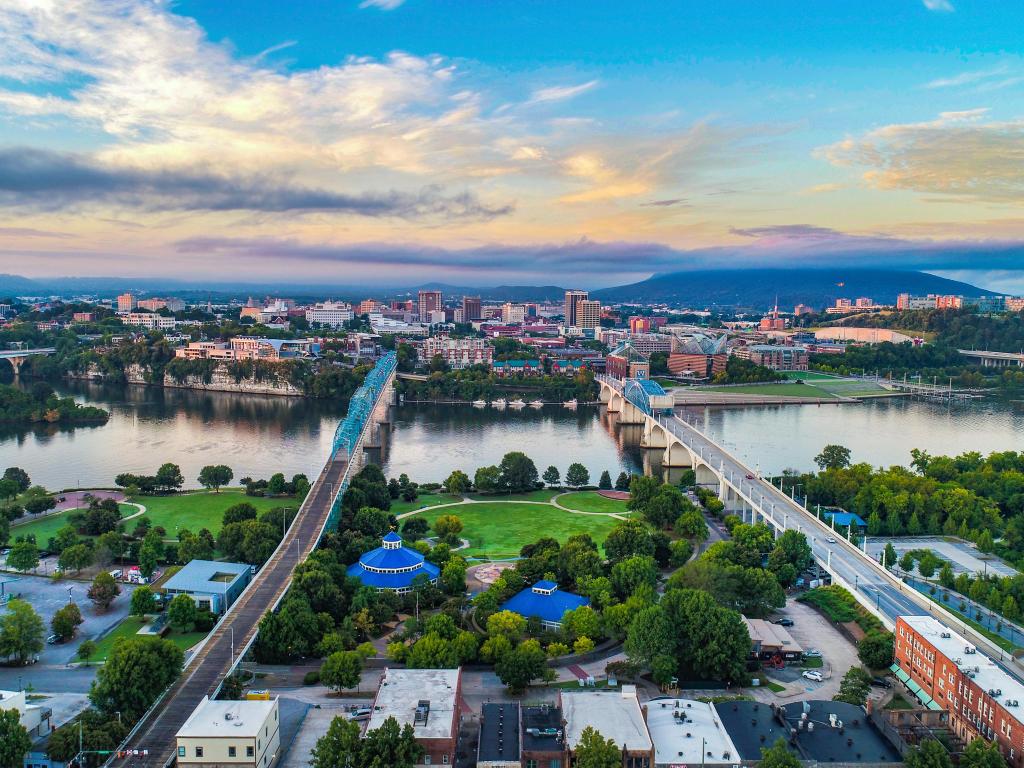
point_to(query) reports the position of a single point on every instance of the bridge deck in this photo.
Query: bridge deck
(204, 671)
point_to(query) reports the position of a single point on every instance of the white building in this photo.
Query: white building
(149, 320)
(389, 326)
(437, 316)
(512, 314)
(244, 733)
(333, 314)
(615, 714)
(33, 718)
(688, 732)
(458, 353)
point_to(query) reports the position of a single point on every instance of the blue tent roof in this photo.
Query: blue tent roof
(845, 518)
(392, 566)
(392, 580)
(392, 536)
(549, 608)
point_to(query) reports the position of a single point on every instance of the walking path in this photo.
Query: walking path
(552, 502)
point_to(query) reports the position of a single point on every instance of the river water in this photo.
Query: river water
(257, 435)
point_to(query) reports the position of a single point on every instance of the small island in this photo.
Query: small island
(40, 403)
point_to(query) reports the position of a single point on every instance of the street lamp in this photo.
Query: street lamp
(69, 594)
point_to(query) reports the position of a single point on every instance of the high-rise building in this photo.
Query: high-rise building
(512, 313)
(429, 301)
(588, 314)
(572, 298)
(329, 313)
(471, 308)
(126, 303)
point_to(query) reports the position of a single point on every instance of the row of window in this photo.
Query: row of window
(250, 751)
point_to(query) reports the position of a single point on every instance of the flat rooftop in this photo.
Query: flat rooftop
(402, 690)
(207, 576)
(616, 714)
(771, 636)
(542, 728)
(243, 719)
(985, 673)
(682, 728)
(499, 733)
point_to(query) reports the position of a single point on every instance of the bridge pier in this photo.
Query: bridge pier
(654, 435)
(630, 414)
(615, 401)
(16, 363)
(677, 455)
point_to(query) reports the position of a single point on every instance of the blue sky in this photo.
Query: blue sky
(494, 141)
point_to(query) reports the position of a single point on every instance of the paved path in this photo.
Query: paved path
(553, 502)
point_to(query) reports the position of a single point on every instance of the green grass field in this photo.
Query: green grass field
(202, 509)
(45, 528)
(808, 375)
(543, 494)
(399, 507)
(500, 529)
(778, 390)
(130, 627)
(591, 501)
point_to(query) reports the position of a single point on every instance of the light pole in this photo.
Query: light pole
(69, 594)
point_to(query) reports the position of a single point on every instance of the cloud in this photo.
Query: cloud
(666, 203)
(30, 232)
(788, 231)
(560, 92)
(44, 180)
(384, 5)
(960, 154)
(942, 6)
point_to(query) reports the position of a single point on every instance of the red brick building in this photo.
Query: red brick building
(945, 671)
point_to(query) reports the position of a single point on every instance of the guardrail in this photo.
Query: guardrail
(361, 405)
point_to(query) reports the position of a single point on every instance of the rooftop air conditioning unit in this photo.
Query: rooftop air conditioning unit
(945, 635)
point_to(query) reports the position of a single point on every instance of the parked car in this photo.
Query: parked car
(880, 682)
(784, 622)
(52, 640)
(810, 674)
(363, 713)
(814, 653)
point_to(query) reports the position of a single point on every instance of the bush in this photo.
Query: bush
(311, 678)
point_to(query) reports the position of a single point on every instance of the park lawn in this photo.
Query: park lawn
(202, 509)
(808, 375)
(591, 501)
(774, 390)
(130, 627)
(500, 529)
(399, 507)
(45, 528)
(544, 494)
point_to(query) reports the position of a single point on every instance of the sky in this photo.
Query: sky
(372, 142)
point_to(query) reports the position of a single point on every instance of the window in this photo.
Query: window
(555, 764)
(199, 751)
(181, 751)
(444, 759)
(531, 764)
(249, 751)
(232, 752)
(259, 744)
(426, 759)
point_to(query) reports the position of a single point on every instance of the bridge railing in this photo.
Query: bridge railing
(362, 404)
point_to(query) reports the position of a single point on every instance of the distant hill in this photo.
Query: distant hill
(501, 292)
(758, 288)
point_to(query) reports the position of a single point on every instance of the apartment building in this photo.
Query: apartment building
(235, 733)
(572, 298)
(588, 314)
(332, 314)
(472, 308)
(458, 353)
(512, 313)
(775, 356)
(945, 671)
(125, 303)
(427, 302)
(149, 320)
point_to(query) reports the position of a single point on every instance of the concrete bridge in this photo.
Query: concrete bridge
(19, 356)
(754, 499)
(151, 744)
(994, 359)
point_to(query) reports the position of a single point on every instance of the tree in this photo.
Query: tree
(552, 476)
(595, 751)
(577, 475)
(342, 670)
(890, 557)
(628, 538)
(632, 574)
(984, 542)
(86, 650)
(930, 754)
(14, 739)
(981, 753)
(854, 687)
(518, 472)
(448, 528)
(8, 489)
(238, 513)
(103, 590)
(340, 746)
(21, 631)
(457, 482)
(907, 562)
(24, 556)
(525, 663)
(833, 457)
(19, 477)
(38, 504)
(415, 528)
(875, 650)
(169, 477)
(622, 482)
(385, 747)
(487, 479)
(65, 622)
(691, 525)
(137, 670)
(215, 476)
(605, 483)
(778, 756)
(75, 558)
(277, 485)
(181, 613)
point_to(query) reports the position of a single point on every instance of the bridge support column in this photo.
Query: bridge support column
(630, 414)
(605, 393)
(16, 363)
(654, 435)
(615, 402)
(707, 478)
(676, 455)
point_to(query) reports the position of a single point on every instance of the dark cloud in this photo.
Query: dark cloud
(45, 180)
(667, 203)
(787, 230)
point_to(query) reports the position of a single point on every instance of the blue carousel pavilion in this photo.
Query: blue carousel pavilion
(391, 566)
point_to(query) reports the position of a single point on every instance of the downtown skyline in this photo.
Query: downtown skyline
(524, 143)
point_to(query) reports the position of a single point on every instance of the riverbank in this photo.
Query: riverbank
(220, 380)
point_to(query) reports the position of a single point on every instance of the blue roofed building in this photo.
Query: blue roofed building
(545, 601)
(842, 518)
(392, 566)
(213, 585)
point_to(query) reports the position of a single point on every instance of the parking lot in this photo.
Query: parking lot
(963, 556)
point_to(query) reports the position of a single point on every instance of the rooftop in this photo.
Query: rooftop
(985, 673)
(682, 728)
(771, 635)
(616, 714)
(499, 733)
(243, 719)
(545, 601)
(542, 728)
(401, 692)
(391, 565)
(206, 576)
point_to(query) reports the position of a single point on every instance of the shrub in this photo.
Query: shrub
(311, 678)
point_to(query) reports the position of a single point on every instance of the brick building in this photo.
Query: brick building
(775, 356)
(945, 671)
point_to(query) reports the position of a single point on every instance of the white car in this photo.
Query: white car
(813, 653)
(831, 540)
(810, 674)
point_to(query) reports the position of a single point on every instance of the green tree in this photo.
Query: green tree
(103, 590)
(19, 477)
(622, 482)
(984, 542)
(633, 573)
(595, 751)
(522, 665)
(342, 670)
(86, 650)
(691, 525)
(605, 483)
(907, 562)
(875, 650)
(833, 457)
(238, 513)
(487, 479)
(143, 601)
(552, 476)
(169, 477)
(340, 746)
(577, 475)
(457, 482)
(854, 687)
(21, 631)
(137, 670)
(628, 538)
(182, 613)
(75, 558)
(778, 756)
(518, 472)
(14, 739)
(215, 476)
(24, 556)
(65, 621)
(930, 754)
(453, 576)
(981, 753)
(448, 528)
(890, 557)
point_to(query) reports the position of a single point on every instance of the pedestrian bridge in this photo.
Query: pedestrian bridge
(17, 357)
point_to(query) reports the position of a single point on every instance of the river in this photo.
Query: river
(258, 435)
